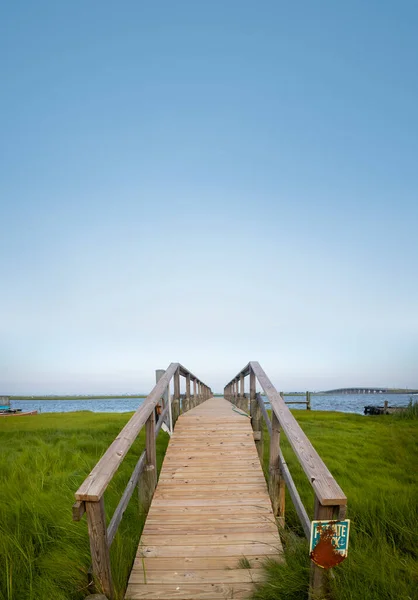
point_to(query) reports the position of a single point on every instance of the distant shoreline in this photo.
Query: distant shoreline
(130, 396)
(71, 398)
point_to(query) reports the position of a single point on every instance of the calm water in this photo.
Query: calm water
(354, 403)
(340, 402)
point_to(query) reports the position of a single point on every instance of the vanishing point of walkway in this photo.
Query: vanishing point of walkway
(210, 515)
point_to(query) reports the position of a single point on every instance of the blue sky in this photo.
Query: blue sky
(210, 183)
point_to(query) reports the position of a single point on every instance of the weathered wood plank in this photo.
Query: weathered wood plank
(187, 576)
(162, 540)
(194, 563)
(238, 550)
(189, 592)
(211, 529)
(224, 509)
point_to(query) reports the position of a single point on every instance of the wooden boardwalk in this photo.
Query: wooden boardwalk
(210, 512)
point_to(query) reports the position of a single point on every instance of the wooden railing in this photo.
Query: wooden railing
(90, 495)
(330, 501)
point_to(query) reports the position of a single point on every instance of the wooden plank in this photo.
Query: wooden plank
(195, 519)
(224, 509)
(189, 592)
(206, 539)
(187, 487)
(198, 563)
(326, 488)
(189, 576)
(208, 480)
(210, 529)
(206, 502)
(238, 550)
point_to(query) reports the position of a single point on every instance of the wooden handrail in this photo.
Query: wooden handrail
(330, 500)
(293, 492)
(93, 487)
(89, 496)
(326, 488)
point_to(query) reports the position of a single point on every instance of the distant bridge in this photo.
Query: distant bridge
(368, 390)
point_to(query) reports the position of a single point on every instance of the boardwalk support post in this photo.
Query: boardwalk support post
(257, 423)
(318, 585)
(253, 398)
(242, 393)
(194, 393)
(148, 481)
(187, 398)
(176, 397)
(277, 487)
(99, 548)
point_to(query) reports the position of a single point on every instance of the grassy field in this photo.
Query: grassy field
(374, 459)
(43, 460)
(44, 555)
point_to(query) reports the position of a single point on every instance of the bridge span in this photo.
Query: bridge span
(369, 390)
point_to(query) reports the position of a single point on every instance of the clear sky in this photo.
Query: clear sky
(209, 182)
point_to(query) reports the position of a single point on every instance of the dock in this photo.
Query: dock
(213, 513)
(210, 510)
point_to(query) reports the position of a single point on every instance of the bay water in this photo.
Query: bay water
(350, 403)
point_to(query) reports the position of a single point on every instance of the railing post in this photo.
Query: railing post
(253, 399)
(308, 400)
(148, 481)
(276, 482)
(257, 424)
(194, 393)
(166, 398)
(99, 548)
(187, 399)
(241, 392)
(176, 397)
(319, 577)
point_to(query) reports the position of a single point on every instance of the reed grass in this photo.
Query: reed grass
(44, 555)
(374, 461)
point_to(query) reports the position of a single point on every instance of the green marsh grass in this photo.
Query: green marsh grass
(45, 555)
(374, 459)
(43, 459)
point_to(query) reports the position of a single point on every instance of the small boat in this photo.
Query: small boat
(11, 413)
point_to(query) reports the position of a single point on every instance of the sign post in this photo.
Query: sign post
(329, 542)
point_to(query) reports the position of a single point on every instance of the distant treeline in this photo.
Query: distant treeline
(86, 397)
